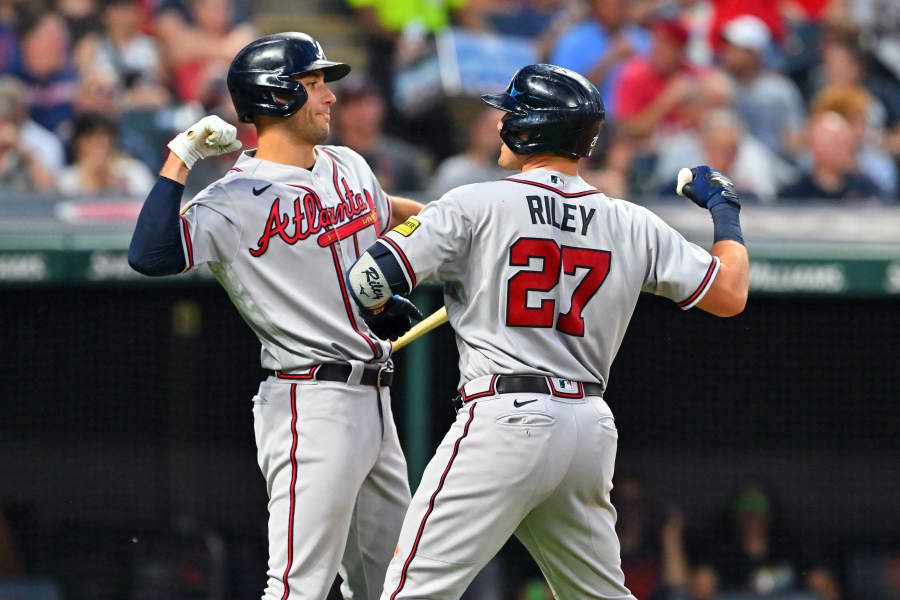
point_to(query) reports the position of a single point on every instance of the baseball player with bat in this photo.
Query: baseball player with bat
(278, 232)
(542, 274)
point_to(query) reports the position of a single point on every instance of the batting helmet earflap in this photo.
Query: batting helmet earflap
(264, 68)
(551, 109)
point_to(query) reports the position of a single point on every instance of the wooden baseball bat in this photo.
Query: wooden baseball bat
(432, 321)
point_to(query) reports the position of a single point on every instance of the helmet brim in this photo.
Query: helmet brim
(503, 101)
(331, 70)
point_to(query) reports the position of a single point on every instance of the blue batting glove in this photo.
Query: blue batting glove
(706, 187)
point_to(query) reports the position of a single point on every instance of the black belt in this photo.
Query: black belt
(377, 377)
(535, 384)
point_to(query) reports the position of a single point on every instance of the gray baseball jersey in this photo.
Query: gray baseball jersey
(543, 272)
(279, 238)
(265, 224)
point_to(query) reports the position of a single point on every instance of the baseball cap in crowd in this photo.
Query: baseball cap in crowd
(748, 32)
(671, 29)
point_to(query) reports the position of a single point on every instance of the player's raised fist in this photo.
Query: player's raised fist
(210, 136)
(393, 318)
(706, 187)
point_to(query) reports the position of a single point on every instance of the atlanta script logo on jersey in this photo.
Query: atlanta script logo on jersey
(332, 223)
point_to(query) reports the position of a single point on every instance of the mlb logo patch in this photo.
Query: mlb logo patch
(565, 387)
(407, 227)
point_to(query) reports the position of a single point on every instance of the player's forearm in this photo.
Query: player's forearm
(402, 209)
(377, 283)
(174, 169)
(727, 295)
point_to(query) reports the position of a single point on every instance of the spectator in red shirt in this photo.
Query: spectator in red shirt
(651, 88)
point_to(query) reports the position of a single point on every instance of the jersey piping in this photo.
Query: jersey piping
(553, 189)
(406, 264)
(376, 350)
(701, 289)
(428, 512)
(187, 243)
(293, 494)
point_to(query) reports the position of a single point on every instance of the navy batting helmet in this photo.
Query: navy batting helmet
(263, 68)
(551, 109)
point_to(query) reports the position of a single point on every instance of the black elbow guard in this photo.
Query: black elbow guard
(390, 267)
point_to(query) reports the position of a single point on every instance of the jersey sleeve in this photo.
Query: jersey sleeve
(210, 228)
(435, 243)
(380, 200)
(677, 269)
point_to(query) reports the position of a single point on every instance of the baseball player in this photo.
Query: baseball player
(278, 232)
(542, 274)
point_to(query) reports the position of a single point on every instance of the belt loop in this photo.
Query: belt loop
(356, 372)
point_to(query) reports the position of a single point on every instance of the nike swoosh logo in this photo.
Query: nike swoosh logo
(518, 404)
(258, 191)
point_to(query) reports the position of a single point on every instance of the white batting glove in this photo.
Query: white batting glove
(210, 136)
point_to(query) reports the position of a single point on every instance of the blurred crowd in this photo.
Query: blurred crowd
(794, 99)
(744, 552)
(747, 549)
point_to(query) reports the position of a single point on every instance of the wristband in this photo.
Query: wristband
(726, 222)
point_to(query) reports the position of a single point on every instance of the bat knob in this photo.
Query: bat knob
(684, 177)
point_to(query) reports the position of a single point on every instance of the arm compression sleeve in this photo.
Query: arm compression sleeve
(726, 222)
(156, 243)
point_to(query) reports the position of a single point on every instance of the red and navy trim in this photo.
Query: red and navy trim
(187, 242)
(428, 512)
(557, 393)
(290, 538)
(376, 349)
(703, 284)
(309, 375)
(334, 175)
(390, 205)
(553, 189)
(406, 263)
(334, 179)
(490, 391)
(236, 169)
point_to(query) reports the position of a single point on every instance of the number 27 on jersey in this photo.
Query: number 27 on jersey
(556, 261)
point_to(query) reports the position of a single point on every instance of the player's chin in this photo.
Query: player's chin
(318, 133)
